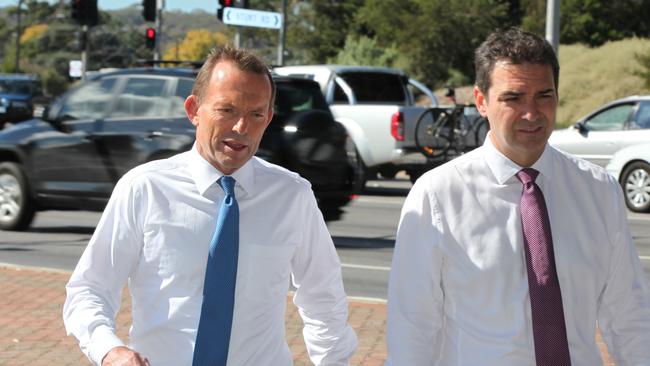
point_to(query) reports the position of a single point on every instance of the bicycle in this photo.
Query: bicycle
(441, 133)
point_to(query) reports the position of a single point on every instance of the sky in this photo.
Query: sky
(184, 5)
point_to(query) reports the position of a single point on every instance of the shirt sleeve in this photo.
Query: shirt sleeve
(320, 296)
(624, 312)
(95, 287)
(415, 293)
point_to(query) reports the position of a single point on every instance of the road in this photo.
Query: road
(364, 238)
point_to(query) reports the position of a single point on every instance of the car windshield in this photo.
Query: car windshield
(8, 86)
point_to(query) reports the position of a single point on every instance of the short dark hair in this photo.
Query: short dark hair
(517, 47)
(245, 61)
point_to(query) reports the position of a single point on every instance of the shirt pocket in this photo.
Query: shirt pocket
(268, 269)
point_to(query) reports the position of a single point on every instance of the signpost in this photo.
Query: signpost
(252, 18)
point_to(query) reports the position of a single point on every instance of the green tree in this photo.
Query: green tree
(365, 51)
(324, 27)
(595, 22)
(435, 35)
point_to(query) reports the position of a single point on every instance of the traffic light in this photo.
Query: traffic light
(84, 12)
(149, 10)
(222, 5)
(150, 35)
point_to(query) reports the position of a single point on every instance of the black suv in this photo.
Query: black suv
(19, 95)
(91, 136)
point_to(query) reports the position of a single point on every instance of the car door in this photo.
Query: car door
(638, 130)
(146, 122)
(600, 135)
(65, 159)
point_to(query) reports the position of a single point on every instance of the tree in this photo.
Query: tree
(435, 35)
(324, 27)
(595, 22)
(196, 45)
(365, 51)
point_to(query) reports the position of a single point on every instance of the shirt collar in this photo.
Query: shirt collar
(205, 175)
(504, 168)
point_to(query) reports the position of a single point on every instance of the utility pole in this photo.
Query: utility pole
(553, 23)
(18, 26)
(160, 5)
(282, 34)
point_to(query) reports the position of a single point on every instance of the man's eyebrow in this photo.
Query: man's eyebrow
(510, 94)
(546, 91)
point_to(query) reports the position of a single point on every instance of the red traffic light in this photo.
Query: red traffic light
(150, 35)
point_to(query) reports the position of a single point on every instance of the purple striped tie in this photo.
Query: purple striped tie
(549, 330)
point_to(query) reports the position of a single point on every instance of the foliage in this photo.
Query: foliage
(32, 32)
(590, 77)
(196, 45)
(324, 28)
(595, 22)
(437, 35)
(365, 51)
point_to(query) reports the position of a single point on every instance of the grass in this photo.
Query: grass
(591, 77)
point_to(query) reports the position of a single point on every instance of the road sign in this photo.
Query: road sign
(76, 69)
(252, 18)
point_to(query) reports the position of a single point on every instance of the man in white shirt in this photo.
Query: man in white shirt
(157, 228)
(459, 290)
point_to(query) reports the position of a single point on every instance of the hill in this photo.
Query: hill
(590, 77)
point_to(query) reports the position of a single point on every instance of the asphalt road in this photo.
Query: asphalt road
(364, 238)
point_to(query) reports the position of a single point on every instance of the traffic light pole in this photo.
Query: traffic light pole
(84, 52)
(282, 34)
(160, 5)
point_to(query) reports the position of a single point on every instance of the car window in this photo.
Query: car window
(90, 101)
(376, 87)
(142, 97)
(339, 95)
(612, 119)
(183, 90)
(297, 97)
(18, 87)
(642, 119)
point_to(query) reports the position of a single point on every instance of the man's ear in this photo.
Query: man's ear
(481, 101)
(192, 109)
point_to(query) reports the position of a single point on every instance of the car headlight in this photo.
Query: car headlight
(4, 101)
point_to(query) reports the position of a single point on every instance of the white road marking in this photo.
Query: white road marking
(363, 266)
(644, 257)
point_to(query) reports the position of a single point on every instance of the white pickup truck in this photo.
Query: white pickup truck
(367, 101)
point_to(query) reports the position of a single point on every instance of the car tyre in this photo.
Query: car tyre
(16, 206)
(635, 181)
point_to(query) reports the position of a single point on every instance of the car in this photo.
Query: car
(600, 134)
(20, 95)
(631, 167)
(73, 156)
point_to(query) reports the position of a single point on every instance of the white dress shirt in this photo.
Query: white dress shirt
(155, 233)
(458, 290)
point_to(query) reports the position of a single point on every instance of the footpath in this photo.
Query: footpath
(32, 332)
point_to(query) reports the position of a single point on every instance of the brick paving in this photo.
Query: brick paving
(32, 333)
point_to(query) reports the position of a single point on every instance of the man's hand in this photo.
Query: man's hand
(124, 356)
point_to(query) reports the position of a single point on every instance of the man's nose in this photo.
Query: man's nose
(241, 126)
(530, 111)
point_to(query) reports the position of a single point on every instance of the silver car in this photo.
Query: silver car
(631, 166)
(600, 134)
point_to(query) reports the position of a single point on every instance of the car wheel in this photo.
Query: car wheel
(16, 206)
(636, 186)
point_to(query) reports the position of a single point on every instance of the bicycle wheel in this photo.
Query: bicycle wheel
(432, 133)
(481, 128)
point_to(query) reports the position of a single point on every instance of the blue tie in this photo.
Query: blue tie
(213, 335)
